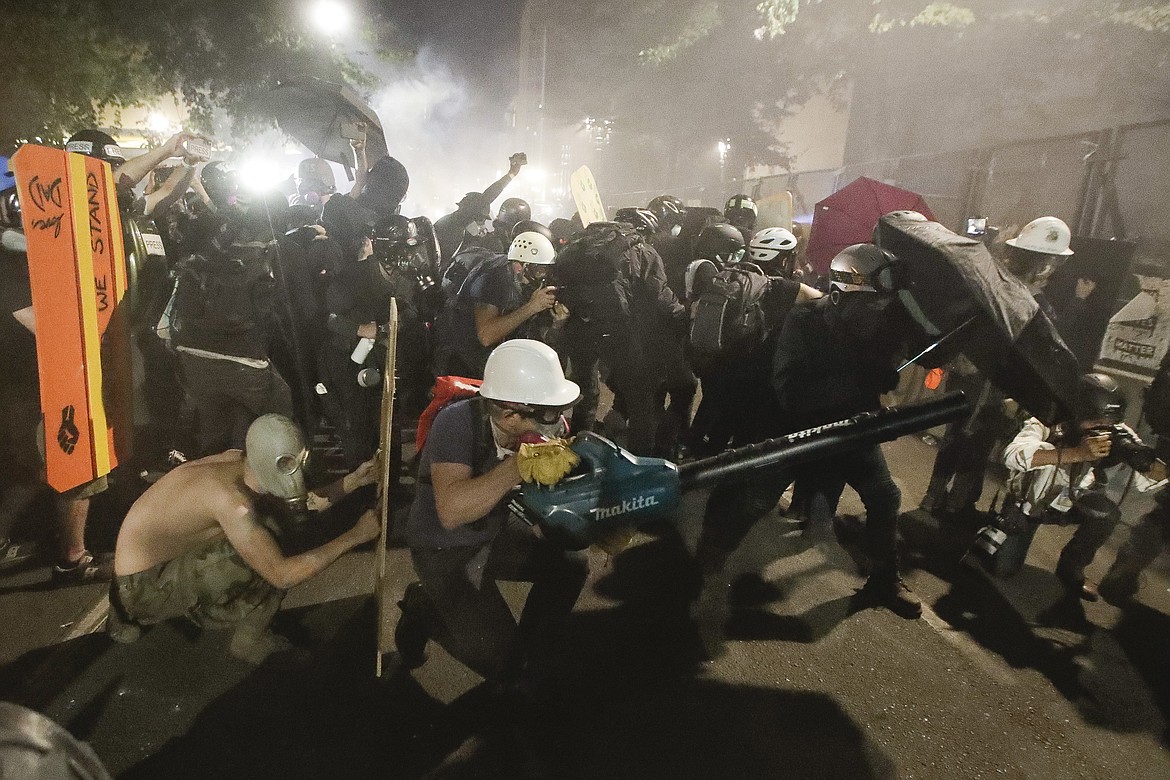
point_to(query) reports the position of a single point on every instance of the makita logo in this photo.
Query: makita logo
(630, 505)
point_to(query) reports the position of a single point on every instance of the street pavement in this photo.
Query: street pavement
(992, 682)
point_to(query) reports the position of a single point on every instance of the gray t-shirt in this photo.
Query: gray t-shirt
(451, 440)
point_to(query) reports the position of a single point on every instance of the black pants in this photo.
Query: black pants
(357, 409)
(478, 629)
(1146, 541)
(628, 376)
(228, 396)
(734, 507)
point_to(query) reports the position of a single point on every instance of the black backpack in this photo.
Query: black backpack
(224, 293)
(729, 319)
(592, 275)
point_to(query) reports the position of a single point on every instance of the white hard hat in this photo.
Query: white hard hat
(532, 247)
(524, 371)
(770, 242)
(1046, 235)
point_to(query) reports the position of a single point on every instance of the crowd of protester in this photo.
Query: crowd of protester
(262, 322)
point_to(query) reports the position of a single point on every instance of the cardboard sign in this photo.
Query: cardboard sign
(77, 272)
(586, 196)
(382, 600)
(1137, 337)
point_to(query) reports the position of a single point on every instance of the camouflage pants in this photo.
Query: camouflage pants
(210, 585)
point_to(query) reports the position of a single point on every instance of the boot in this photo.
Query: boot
(413, 629)
(1121, 583)
(889, 591)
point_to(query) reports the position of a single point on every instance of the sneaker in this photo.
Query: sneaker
(412, 632)
(15, 553)
(87, 569)
(893, 594)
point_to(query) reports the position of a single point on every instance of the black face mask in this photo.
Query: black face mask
(869, 317)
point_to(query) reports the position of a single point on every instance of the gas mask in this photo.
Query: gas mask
(480, 229)
(276, 453)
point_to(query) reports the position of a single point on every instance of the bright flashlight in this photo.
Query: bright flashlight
(330, 17)
(258, 174)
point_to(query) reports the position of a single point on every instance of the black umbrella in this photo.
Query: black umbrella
(949, 282)
(324, 117)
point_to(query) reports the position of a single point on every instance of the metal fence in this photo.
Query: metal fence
(1106, 183)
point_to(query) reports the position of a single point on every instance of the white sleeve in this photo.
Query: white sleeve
(1018, 453)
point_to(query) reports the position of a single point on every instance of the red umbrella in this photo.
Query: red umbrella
(850, 214)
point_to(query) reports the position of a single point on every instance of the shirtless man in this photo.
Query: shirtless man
(195, 544)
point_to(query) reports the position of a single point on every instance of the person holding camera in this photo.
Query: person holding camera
(498, 300)
(1058, 475)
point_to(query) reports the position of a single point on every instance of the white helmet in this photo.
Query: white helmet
(523, 371)
(1046, 235)
(276, 452)
(770, 242)
(532, 247)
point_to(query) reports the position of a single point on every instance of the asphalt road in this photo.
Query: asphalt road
(990, 683)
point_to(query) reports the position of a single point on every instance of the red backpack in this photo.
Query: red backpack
(447, 390)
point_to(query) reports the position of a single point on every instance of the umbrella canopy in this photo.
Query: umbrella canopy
(946, 280)
(324, 117)
(849, 215)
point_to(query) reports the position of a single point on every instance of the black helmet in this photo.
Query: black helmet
(642, 220)
(95, 143)
(10, 209)
(220, 182)
(722, 242)
(1099, 398)
(512, 210)
(741, 210)
(668, 209)
(531, 226)
(9, 200)
(562, 230)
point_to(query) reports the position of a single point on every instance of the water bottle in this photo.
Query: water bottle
(362, 351)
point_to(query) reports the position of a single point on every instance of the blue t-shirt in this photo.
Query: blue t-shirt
(451, 440)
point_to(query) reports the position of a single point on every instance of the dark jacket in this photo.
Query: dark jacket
(450, 229)
(821, 372)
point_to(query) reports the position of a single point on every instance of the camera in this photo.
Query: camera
(1126, 448)
(1009, 521)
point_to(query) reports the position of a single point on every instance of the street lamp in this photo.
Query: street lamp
(330, 17)
(724, 147)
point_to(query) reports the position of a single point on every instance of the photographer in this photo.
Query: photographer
(490, 305)
(1058, 476)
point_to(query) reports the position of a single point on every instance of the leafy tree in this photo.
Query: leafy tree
(676, 76)
(69, 60)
